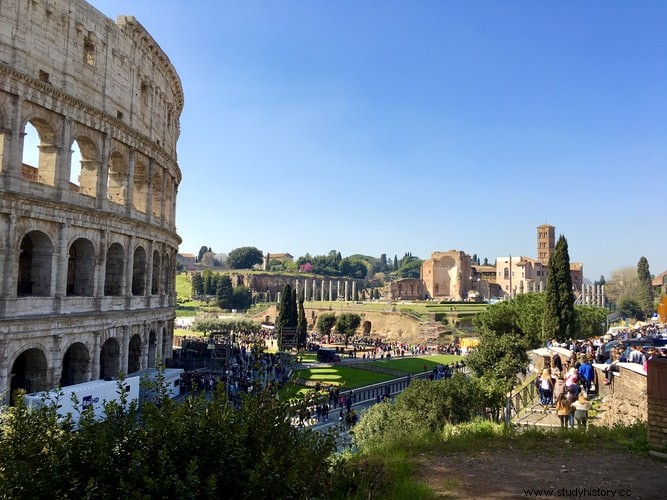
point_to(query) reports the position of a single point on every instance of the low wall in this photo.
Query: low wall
(657, 404)
(625, 397)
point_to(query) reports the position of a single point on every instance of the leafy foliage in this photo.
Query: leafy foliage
(325, 323)
(244, 258)
(212, 325)
(522, 315)
(424, 407)
(224, 292)
(499, 357)
(347, 324)
(198, 449)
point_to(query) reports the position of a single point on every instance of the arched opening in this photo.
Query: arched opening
(166, 274)
(81, 268)
(29, 372)
(134, 355)
(152, 348)
(76, 365)
(85, 164)
(39, 152)
(140, 193)
(117, 180)
(139, 272)
(156, 202)
(110, 360)
(75, 168)
(113, 276)
(34, 276)
(155, 281)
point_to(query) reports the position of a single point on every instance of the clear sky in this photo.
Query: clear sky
(420, 125)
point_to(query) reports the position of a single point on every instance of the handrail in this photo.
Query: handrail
(519, 399)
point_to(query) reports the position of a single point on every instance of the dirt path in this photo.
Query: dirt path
(569, 474)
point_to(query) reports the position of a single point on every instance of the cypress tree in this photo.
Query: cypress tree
(224, 292)
(301, 325)
(646, 296)
(559, 316)
(284, 309)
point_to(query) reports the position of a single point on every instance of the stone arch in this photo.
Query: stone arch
(89, 167)
(4, 135)
(139, 271)
(113, 276)
(34, 272)
(155, 281)
(29, 372)
(39, 166)
(156, 202)
(140, 186)
(134, 354)
(152, 348)
(81, 268)
(110, 359)
(117, 179)
(76, 365)
(166, 273)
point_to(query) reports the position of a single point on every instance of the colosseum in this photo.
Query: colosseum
(88, 240)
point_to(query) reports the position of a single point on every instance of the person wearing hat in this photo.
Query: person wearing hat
(581, 407)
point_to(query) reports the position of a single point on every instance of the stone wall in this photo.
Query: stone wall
(657, 404)
(87, 249)
(625, 399)
(447, 275)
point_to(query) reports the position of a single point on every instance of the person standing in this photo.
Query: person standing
(563, 411)
(581, 408)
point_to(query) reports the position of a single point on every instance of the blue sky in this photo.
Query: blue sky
(417, 126)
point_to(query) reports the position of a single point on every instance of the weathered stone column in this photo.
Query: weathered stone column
(103, 174)
(347, 283)
(354, 289)
(60, 263)
(337, 289)
(305, 290)
(330, 289)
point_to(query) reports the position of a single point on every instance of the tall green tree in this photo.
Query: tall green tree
(301, 325)
(559, 317)
(286, 317)
(646, 298)
(224, 292)
(244, 258)
(201, 253)
(197, 284)
(241, 298)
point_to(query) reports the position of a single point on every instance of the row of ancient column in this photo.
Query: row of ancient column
(321, 290)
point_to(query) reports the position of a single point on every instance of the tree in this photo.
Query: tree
(201, 253)
(645, 298)
(410, 267)
(301, 325)
(197, 285)
(623, 284)
(486, 261)
(559, 318)
(347, 324)
(286, 317)
(631, 308)
(224, 292)
(241, 298)
(522, 316)
(499, 357)
(244, 258)
(325, 323)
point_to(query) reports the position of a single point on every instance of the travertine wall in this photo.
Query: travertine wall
(87, 261)
(625, 398)
(447, 275)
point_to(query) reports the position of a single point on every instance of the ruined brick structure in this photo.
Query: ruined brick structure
(447, 275)
(87, 261)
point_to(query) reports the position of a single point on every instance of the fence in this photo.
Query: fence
(519, 399)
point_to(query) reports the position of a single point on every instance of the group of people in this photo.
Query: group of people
(567, 389)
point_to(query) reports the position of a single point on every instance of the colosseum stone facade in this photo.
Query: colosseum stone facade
(87, 245)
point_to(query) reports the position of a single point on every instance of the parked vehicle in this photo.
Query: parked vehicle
(327, 355)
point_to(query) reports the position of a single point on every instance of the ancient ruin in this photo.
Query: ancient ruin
(87, 247)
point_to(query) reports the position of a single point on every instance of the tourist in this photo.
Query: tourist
(563, 411)
(546, 387)
(581, 407)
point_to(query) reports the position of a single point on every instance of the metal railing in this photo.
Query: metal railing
(519, 399)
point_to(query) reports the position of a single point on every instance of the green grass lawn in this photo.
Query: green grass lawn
(416, 364)
(344, 376)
